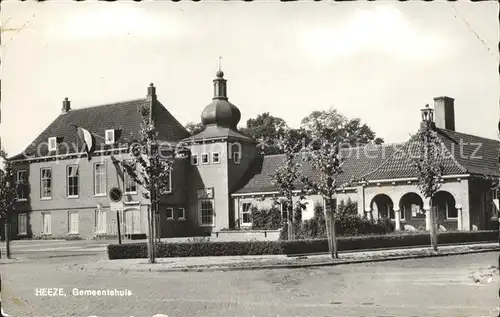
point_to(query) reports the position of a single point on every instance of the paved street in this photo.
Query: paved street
(465, 285)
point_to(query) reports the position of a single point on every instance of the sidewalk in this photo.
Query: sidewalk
(224, 263)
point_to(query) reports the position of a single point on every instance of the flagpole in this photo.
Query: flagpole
(94, 134)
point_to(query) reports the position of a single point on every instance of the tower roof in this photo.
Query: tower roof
(220, 117)
(220, 111)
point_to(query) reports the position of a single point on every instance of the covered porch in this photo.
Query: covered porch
(405, 206)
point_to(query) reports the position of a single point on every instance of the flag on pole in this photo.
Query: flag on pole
(88, 139)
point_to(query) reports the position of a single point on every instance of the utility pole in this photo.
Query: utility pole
(119, 231)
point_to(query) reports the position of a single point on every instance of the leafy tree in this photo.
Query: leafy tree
(333, 126)
(8, 194)
(7, 188)
(286, 177)
(325, 158)
(267, 129)
(194, 128)
(150, 167)
(428, 164)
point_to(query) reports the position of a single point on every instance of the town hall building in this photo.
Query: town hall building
(224, 175)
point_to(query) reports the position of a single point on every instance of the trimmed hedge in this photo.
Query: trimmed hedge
(187, 249)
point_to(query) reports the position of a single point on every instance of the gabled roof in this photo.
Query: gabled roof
(462, 154)
(479, 155)
(357, 162)
(122, 116)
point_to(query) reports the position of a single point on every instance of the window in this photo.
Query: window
(235, 152)
(110, 136)
(308, 211)
(416, 210)
(46, 224)
(168, 185)
(236, 157)
(99, 179)
(129, 183)
(451, 211)
(206, 212)
(194, 159)
(22, 180)
(215, 158)
(204, 158)
(52, 144)
(73, 222)
(46, 183)
(73, 181)
(22, 224)
(181, 213)
(101, 218)
(494, 193)
(170, 213)
(246, 213)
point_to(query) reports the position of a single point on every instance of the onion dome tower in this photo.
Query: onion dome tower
(220, 111)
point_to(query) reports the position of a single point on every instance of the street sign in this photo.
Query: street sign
(115, 206)
(115, 194)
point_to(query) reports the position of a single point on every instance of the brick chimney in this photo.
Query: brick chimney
(444, 113)
(66, 106)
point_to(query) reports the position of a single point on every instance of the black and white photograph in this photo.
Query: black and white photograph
(249, 158)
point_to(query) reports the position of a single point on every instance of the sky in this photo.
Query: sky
(377, 61)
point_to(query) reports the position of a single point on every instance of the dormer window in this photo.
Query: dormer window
(52, 144)
(110, 136)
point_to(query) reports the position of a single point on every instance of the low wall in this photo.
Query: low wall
(246, 235)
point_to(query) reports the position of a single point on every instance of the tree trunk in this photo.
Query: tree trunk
(327, 226)
(158, 224)
(291, 235)
(330, 230)
(433, 231)
(7, 237)
(335, 252)
(150, 236)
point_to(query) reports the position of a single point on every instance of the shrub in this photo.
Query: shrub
(127, 251)
(183, 249)
(348, 223)
(266, 219)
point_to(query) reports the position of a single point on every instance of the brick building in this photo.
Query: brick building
(224, 175)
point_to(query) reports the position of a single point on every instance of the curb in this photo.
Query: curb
(9, 261)
(396, 248)
(297, 266)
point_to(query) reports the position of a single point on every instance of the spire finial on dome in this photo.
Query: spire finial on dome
(220, 88)
(220, 73)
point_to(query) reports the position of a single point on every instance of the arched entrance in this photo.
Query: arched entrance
(411, 206)
(381, 206)
(444, 202)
